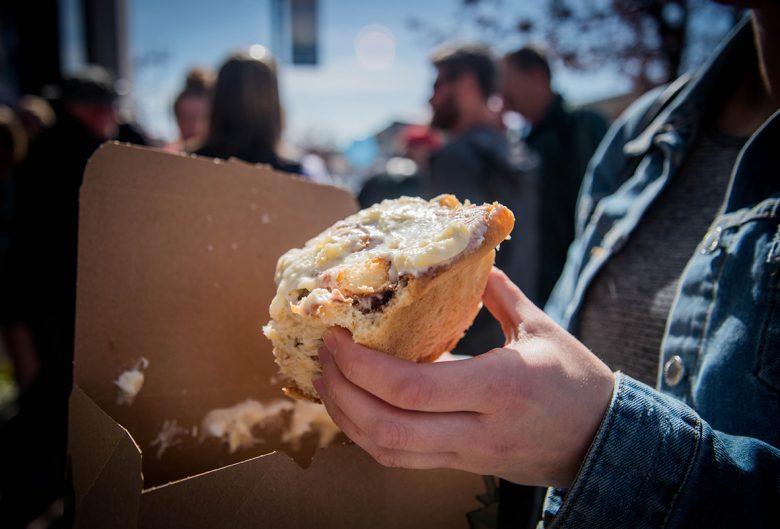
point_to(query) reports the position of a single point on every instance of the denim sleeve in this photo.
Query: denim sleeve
(655, 463)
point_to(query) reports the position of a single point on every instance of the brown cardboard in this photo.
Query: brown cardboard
(109, 469)
(176, 263)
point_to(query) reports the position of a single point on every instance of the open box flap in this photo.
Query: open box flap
(106, 467)
(176, 264)
(343, 487)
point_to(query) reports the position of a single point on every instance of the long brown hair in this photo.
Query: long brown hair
(246, 116)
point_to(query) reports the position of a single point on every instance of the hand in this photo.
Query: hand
(526, 412)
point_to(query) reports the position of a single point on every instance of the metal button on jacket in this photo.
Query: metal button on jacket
(711, 241)
(674, 368)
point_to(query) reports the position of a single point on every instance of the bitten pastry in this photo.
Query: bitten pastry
(404, 276)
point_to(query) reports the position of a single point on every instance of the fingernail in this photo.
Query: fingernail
(330, 341)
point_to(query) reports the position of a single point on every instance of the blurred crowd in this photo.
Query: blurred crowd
(466, 150)
(688, 174)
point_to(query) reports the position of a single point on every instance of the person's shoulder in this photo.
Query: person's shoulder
(288, 166)
(52, 144)
(133, 133)
(607, 169)
(456, 155)
(486, 134)
(476, 143)
(639, 114)
(454, 148)
(373, 189)
(588, 116)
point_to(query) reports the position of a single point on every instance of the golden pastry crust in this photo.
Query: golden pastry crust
(294, 393)
(415, 316)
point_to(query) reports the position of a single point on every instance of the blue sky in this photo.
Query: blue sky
(339, 100)
(349, 95)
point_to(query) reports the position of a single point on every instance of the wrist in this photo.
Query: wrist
(605, 387)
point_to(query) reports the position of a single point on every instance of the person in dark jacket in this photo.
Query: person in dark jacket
(474, 164)
(563, 140)
(404, 175)
(38, 304)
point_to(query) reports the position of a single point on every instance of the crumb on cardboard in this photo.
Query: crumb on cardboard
(130, 382)
(170, 435)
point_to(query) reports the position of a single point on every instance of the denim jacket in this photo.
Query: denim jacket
(701, 449)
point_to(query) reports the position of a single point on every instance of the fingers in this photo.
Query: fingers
(370, 421)
(436, 387)
(387, 456)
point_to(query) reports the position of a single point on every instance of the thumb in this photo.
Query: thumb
(507, 304)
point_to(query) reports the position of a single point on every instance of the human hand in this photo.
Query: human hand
(526, 412)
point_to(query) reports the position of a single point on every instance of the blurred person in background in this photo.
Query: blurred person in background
(562, 140)
(474, 163)
(404, 175)
(192, 109)
(36, 116)
(475, 154)
(246, 115)
(13, 150)
(37, 309)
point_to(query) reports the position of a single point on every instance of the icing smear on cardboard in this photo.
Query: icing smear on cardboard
(241, 426)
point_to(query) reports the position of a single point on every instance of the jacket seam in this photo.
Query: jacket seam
(768, 209)
(703, 340)
(598, 445)
(763, 340)
(688, 471)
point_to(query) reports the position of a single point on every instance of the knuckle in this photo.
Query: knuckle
(507, 385)
(392, 434)
(415, 392)
(354, 434)
(504, 396)
(338, 417)
(332, 389)
(347, 367)
(351, 431)
(386, 458)
(499, 448)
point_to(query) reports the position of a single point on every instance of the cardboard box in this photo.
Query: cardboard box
(176, 263)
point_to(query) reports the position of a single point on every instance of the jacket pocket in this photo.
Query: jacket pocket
(751, 284)
(768, 368)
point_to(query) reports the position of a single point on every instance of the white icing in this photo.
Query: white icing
(411, 234)
(170, 435)
(308, 417)
(234, 425)
(130, 382)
